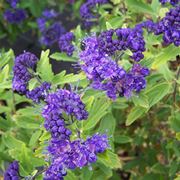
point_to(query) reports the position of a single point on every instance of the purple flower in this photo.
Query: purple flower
(65, 43)
(51, 34)
(49, 13)
(60, 103)
(39, 93)
(68, 154)
(104, 73)
(41, 23)
(172, 2)
(13, 3)
(15, 16)
(86, 11)
(23, 63)
(169, 27)
(12, 172)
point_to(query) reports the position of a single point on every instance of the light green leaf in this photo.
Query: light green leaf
(98, 110)
(35, 137)
(140, 6)
(11, 142)
(157, 92)
(167, 54)
(63, 57)
(70, 176)
(44, 67)
(141, 100)
(69, 78)
(108, 26)
(134, 114)
(4, 73)
(110, 159)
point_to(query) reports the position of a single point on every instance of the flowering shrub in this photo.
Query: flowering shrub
(117, 116)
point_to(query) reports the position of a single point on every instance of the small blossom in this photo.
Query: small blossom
(15, 16)
(12, 172)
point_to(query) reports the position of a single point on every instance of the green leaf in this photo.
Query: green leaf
(134, 114)
(108, 124)
(98, 110)
(157, 92)
(167, 54)
(108, 26)
(44, 67)
(70, 176)
(115, 1)
(35, 138)
(122, 139)
(11, 142)
(4, 73)
(141, 100)
(140, 6)
(110, 159)
(63, 57)
(69, 78)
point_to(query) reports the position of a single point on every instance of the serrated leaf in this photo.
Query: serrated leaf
(134, 114)
(63, 57)
(11, 142)
(140, 6)
(69, 78)
(110, 159)
(44, 67)
(167, 54)
(98, 110)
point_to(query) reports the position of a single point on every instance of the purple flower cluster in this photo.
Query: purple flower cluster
(172, 2)
(23, 64)
(65, 43)
(39, 93)
(13, 3)
(15, 16)
(49, 34)
(105, 74)
(60, 103)
(12, 172)
(169, 26)
(86, 11)
(78, 153)
(122, 39)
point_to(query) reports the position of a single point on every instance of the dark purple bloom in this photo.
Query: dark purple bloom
(73, 154)
(15, 16)
(39, 93)
(13, 3)
(104, 73)
(60, 103)
(169, 27)
(41, 23)
(12, 172)
(87, 14)
(49, 13)
(23, 63)
(51, 34)
(172, 2)
(65, 43)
